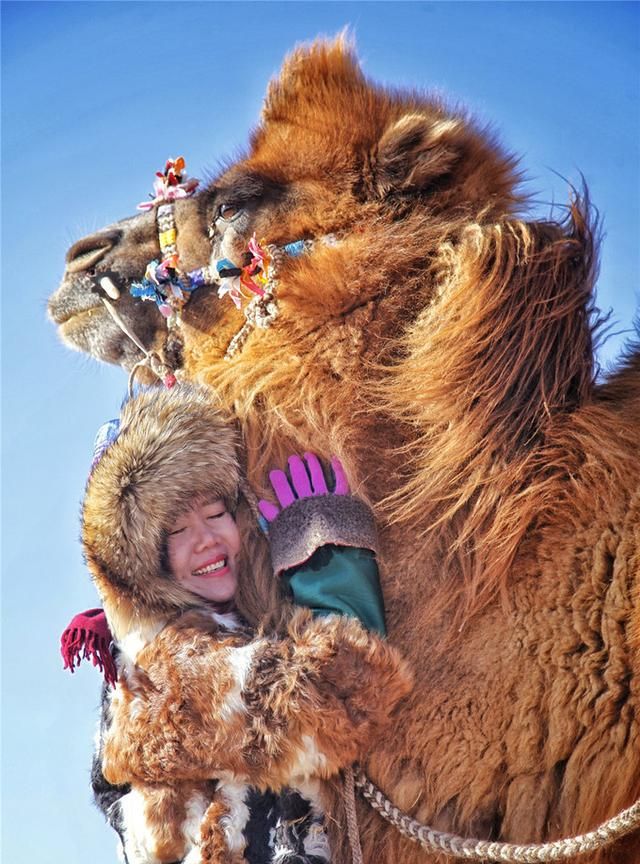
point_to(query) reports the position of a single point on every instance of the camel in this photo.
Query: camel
(440, 342)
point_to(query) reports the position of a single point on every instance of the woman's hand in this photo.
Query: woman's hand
(323, 543)
(306, 480)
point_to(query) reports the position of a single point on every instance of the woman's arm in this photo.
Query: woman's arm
(150, 819)
(270, 712)
(323, 542)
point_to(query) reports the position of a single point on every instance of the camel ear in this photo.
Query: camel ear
(415, 150)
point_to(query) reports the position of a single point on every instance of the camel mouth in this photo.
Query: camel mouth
(84, 324)
(79, 295)
(64, 315)
(73, 297)
(77, 318)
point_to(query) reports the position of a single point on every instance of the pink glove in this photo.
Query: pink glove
(307, 481)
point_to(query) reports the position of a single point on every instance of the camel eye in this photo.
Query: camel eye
(228, 211)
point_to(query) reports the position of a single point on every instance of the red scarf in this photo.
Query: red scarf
(88, 637)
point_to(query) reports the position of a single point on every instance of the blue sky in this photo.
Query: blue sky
(95, 96)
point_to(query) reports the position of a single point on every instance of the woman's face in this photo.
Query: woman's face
(203, 550)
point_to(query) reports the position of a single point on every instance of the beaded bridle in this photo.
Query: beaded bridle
(170, 288)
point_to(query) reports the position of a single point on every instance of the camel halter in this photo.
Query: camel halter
(259, 277)
(166, 285)
(255, 281)
(161, 281)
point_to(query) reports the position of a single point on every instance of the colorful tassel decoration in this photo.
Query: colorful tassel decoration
(170, 184)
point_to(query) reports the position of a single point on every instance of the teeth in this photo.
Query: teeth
(211, 568)
(109, 288)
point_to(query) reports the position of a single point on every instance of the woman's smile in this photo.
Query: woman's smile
(215, 567)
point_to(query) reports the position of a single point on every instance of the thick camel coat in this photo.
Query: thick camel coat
(442, 346)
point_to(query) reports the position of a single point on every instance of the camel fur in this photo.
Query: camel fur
(443, 349)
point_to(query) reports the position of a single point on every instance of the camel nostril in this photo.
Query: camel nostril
(86, 259)
(86, 253)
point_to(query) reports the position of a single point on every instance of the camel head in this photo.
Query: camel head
(389, 176)
(122, 251)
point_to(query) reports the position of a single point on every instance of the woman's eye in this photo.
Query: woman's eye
(216, 515)
(228, 211)
(176, 531)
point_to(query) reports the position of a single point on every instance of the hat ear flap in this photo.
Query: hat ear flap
(414, 151)
(248, 498)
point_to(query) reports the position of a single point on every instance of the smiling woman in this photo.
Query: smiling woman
(183, 575)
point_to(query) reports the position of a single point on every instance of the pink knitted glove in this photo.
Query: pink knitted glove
(307, 481)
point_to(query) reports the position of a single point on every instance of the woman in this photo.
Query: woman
(208, 707)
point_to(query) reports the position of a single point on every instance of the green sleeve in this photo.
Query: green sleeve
(342, 580)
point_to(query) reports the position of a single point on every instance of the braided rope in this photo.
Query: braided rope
(262, 311)
(167, 231)
(352, 819)
(482, 850)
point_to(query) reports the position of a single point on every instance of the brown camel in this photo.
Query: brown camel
(441, 344)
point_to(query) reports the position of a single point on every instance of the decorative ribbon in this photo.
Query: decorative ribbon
(161, 282)
(171, 184)
(256, 281)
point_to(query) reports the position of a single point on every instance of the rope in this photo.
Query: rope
(259, 312)
(352, 819)
(481, 850)
(151, 359)
(111, 309)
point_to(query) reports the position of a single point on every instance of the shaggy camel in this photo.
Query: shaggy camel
(441, 344)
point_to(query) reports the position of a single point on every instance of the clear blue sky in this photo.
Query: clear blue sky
(95, 97)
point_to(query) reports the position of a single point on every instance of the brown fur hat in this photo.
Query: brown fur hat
(173, 447)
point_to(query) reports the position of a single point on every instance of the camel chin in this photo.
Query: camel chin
(87, 333)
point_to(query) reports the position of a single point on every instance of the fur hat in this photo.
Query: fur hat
(173, 446)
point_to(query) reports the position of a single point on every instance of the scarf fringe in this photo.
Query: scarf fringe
(78, 644)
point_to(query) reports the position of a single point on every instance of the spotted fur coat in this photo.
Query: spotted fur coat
(207, 699)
